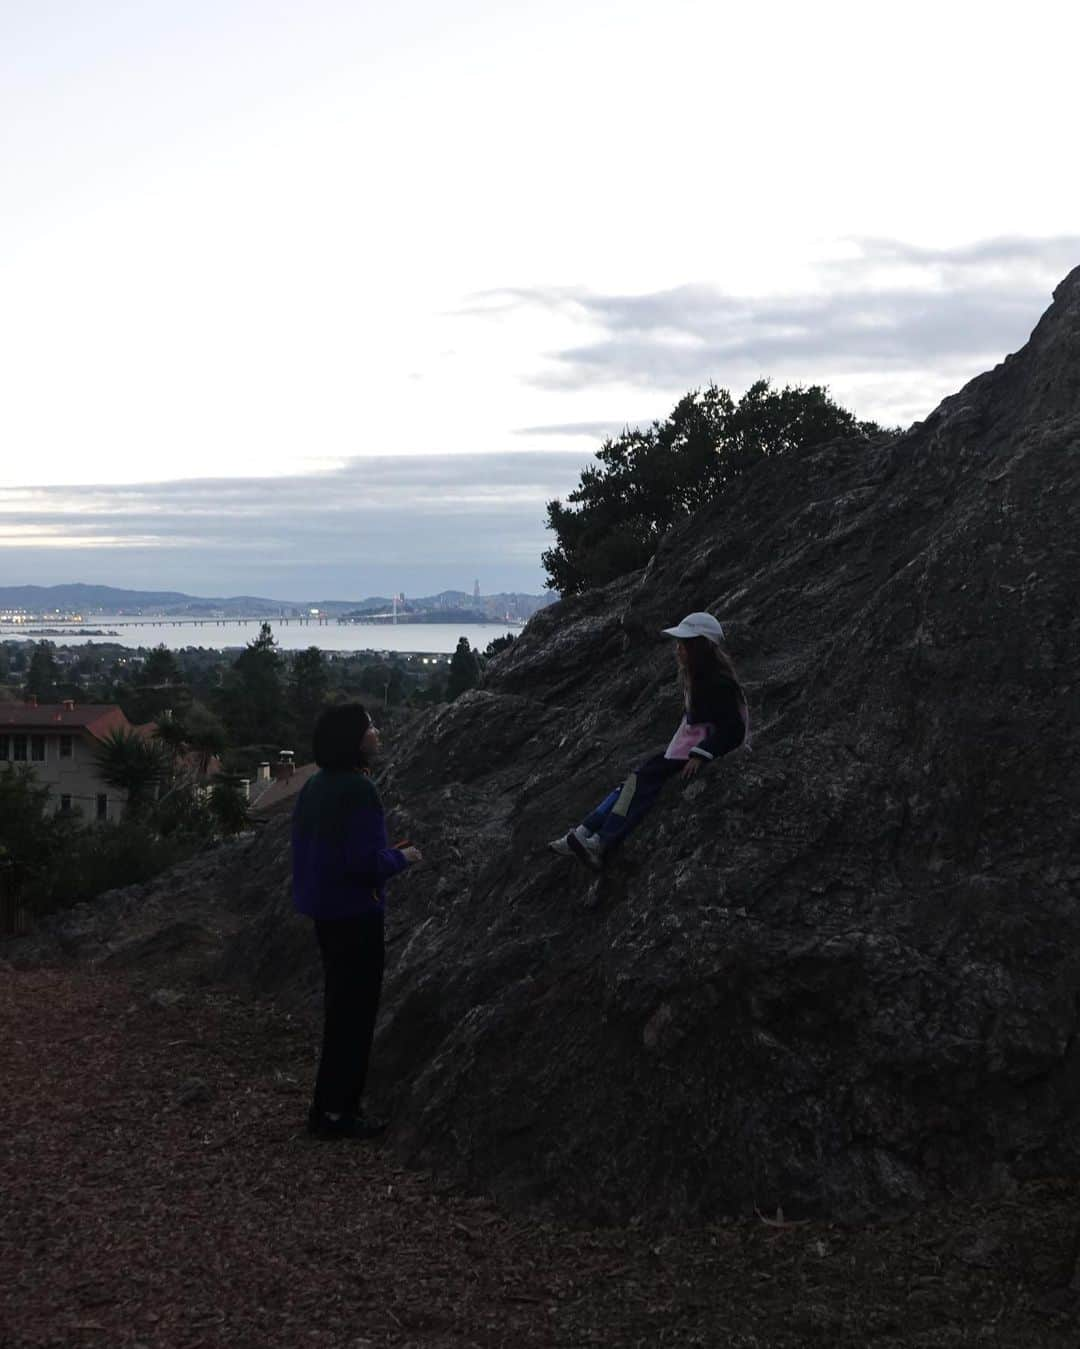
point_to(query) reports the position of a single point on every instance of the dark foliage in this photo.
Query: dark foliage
(133, 764)
(464, 670)
(498, 644)
(227, 805)
(161, 666)
(55, 860)
(251, 699)
(42, 676)
(645, 481)
(309, 681)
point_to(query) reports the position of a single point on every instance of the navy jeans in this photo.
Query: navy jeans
(623, 809)
(353, 955)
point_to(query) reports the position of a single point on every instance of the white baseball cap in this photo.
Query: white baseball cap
(698, 625)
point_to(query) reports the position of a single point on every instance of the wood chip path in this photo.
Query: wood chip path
(158, 1191)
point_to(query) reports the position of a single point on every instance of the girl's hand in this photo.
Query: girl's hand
(412, 855)
(692, 766)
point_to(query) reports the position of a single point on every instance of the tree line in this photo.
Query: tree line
(241, 709)
(214, 720)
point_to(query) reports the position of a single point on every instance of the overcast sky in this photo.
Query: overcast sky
(375, 280)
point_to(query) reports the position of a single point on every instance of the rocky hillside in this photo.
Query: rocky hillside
(840, 974)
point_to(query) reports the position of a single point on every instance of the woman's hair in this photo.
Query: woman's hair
(704, 659)
(338, 733)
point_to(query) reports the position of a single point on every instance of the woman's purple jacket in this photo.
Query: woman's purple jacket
(341, 861)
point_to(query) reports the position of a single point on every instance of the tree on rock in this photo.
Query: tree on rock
(498, 644)
(646, 480)
(464, 670)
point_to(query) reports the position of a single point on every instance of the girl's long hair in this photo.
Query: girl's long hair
(704, 661)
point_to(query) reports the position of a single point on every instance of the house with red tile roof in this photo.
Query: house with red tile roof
(59, 742)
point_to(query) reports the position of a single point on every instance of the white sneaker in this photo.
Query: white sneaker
(586, 847)
(561, 846)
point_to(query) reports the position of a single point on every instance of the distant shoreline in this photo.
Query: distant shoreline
(223, 635)
(30, 631)
(27, 635)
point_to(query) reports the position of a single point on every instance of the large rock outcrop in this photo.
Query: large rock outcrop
(840, 974)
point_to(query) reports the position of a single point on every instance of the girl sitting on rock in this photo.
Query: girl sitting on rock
(715, 722)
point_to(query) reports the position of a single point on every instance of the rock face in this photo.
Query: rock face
(840, 974)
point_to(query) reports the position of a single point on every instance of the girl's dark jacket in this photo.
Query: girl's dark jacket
(718, 701)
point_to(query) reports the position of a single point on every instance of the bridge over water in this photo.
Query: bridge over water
(215, 621)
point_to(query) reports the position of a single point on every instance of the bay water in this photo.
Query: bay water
(291, 634)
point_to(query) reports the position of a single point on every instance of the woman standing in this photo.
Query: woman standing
(341, 863)
(715, 721)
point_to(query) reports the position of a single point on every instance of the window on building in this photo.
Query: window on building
(65, 805)
(66, 749)
(102, 807)
(18, 748)
(5, 746)
(37, 748)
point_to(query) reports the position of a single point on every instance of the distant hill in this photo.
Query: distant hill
(112, 600)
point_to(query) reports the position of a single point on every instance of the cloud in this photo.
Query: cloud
(418, 523)
(891, 326)
(887, 309)
(1056, 253)
(595, 430)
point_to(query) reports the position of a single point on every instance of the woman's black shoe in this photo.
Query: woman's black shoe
(320, 1125)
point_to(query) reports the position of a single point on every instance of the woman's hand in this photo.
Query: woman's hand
(412, 855)
(692, 766)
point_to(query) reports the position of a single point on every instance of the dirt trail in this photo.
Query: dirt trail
(157, 1191)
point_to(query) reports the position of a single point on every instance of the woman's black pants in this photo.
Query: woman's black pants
(353, 957)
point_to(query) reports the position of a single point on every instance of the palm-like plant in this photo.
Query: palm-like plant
(132, 764)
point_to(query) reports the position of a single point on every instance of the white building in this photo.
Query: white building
(59, 741)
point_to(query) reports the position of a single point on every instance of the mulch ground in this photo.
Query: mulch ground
(158, 1190)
